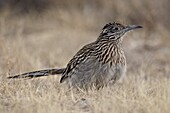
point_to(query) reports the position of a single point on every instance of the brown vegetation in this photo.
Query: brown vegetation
(46, 35)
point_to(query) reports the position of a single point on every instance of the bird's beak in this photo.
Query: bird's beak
(131, 27)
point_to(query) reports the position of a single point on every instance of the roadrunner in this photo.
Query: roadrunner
(97, 64)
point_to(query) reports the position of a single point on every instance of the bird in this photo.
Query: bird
(95, 65)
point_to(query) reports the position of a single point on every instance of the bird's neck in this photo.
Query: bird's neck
(109, 51)
(110, 42)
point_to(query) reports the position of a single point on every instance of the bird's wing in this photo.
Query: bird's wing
(80, 56)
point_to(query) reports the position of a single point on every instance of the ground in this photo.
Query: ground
(31, 43)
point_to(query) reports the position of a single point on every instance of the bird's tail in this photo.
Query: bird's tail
(39, 73)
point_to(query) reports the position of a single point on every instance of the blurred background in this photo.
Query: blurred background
(47, 33)
(40, 34)
(145, 12)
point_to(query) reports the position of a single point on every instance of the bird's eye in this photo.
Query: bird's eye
(116, 28)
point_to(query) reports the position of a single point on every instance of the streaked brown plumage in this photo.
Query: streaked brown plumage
(95, 65)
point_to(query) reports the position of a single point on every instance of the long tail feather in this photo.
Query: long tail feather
(39, 73)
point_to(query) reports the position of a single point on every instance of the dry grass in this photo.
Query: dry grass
(30, 43)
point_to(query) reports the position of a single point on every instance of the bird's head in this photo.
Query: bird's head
(114, 31)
